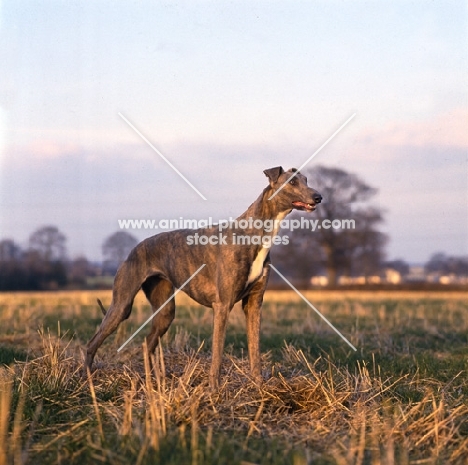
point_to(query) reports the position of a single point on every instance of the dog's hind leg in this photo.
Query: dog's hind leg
(126, 284)
(157, 291)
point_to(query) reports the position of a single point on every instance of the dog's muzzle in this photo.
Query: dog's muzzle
(308, 206)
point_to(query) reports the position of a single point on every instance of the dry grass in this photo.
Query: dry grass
(310, 409)
(289, 296)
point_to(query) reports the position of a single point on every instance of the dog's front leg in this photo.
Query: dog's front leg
(253, 320)
(252, 306)
(220, 318)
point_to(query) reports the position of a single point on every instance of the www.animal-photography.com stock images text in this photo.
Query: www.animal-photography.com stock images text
(234, 232)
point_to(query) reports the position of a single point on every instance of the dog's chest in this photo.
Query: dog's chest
(257, 265)
(256, 268)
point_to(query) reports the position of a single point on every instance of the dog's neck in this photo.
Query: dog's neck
(265, 209)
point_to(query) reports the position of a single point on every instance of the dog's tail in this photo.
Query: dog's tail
(103, 310)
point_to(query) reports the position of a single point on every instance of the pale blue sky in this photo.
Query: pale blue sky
(225, 90)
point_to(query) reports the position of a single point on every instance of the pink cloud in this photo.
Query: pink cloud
(446, 130)
(46, 149)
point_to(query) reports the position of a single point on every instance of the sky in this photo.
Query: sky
(225, 90)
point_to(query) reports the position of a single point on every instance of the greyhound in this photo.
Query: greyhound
(233, 271)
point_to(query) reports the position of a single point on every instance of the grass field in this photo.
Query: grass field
(400, 399)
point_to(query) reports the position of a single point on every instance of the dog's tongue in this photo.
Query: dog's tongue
(297, 203)
(304, 206)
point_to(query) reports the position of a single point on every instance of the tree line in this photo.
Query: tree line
(331, 251)
(44, 264)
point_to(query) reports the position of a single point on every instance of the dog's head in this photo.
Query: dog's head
(290, 190)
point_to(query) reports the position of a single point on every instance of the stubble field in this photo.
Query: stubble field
(401, 398)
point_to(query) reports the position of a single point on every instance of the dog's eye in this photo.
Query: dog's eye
(292, 182)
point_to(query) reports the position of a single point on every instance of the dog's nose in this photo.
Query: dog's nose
(317, 197)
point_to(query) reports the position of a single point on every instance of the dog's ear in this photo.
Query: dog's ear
(274, 173)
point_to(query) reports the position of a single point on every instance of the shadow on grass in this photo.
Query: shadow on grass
(9, 355)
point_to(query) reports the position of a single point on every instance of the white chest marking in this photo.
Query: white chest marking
(256, 268)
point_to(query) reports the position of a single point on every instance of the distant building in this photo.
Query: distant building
(433, 277)
(392, 276)
(453, 279)
(347, 280)
(417, 274)
(319, 281)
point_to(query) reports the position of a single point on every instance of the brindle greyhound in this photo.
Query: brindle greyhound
(233, 272)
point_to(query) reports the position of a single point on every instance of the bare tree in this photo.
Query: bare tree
(78, 270)
(13, 275)
(49, 242)
(365, 244)
(9, 251)
(334, 250)
(444, 264)
(300, 259)
(42, 266)
(346, 197)
(116, 248)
